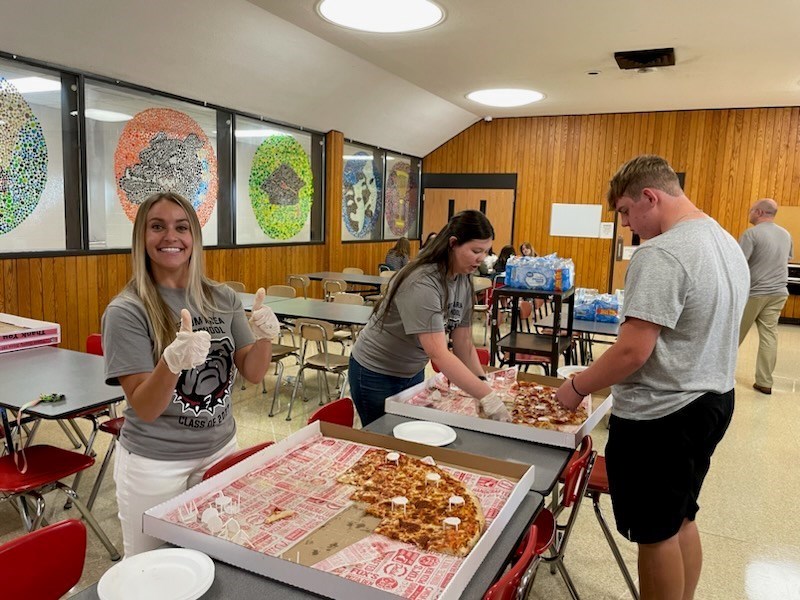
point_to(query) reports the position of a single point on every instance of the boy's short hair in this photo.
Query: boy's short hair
(647, 170)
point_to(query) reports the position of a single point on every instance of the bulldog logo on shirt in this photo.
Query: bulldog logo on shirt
(203, 389)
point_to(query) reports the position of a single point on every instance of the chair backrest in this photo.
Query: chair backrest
(483, 358)
(483, 355)
(341, 412)
(485, 281)
(59, 550)
(387, 273)
(353, 270)
(525, 310)
(333, 286)
(236, 286)
(94, 344)
(302, 281)
(234, 458)
(314, 330)
(284, 291)
(383, 267)
(577, 473)
(508, 586)
(345, 298)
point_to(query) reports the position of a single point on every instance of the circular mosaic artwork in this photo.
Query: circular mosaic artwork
(165, 150)
(23, 158)
(360, 192)
(401, 194)
(281, 187)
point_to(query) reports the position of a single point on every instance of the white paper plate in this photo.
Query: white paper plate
(166, 574)
(570, 370)
(425, 432)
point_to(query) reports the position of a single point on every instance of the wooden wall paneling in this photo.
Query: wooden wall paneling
(731, 157)
(23, 286)
(10, 286)
(35, 286)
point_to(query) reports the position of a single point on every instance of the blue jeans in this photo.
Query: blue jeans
(370, 389)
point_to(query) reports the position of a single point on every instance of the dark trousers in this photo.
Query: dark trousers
(370, 389)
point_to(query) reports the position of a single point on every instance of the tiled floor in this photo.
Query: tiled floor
(749, 519)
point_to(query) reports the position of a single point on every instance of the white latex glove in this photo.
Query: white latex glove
(493, 407)
(190, 348)
(439, 382)
(263, 321)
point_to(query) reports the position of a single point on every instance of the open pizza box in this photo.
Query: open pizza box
(600, 404)
(18, 333)
(347, 528)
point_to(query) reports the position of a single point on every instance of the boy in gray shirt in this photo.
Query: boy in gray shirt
(673, 366)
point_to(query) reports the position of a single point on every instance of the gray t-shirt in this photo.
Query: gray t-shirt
(693, 281)
(198, 421)
(417, 307)
(767, 248)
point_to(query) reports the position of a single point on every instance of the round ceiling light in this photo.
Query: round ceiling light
(381, 16)
(505, 97)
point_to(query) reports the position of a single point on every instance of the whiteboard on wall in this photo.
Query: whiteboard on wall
(576, 220)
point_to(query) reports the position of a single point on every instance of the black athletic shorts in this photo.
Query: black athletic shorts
(656, 468)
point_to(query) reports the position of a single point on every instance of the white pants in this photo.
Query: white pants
(143, 483)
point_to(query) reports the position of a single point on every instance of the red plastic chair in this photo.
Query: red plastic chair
(341, 412)
(598, 485)
(59, 550)
(483, 358)
(232, 459)
(515, 582)
(47, 465)
(554, 536)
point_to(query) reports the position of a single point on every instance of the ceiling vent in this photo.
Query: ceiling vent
(645, 59)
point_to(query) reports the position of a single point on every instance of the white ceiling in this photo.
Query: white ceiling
(406, 92)
(736, 53)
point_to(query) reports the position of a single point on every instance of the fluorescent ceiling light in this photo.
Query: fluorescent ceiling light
(31, 85)
(505, 97)
(257, 133)
(381, 16)
(106, 115)
(358, 157)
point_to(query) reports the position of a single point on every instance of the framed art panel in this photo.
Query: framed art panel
(401, 199)
(31, 159)
(138, 144)
(362, 193)
(278, 184)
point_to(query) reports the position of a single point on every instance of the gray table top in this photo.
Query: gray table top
(333, 312)
(581, 326)
(232, 582)
(26, 374)
(548, 460)
(354, 278)
(248, 299)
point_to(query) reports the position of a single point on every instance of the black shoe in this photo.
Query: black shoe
(762, 389)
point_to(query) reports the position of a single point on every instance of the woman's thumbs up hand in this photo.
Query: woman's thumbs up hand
(263, 321)
(190, 348)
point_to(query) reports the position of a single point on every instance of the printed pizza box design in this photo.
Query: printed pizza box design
(535, 413)
(289, 504)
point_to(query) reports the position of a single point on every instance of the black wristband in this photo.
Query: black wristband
(572, 381)
(482, 377)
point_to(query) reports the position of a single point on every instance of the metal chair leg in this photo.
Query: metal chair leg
(567, 579)
(614, 548)
(75, 443)
(279, 369)
(90, 520)
(101, 474)
(294, 392)
(79, 433)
